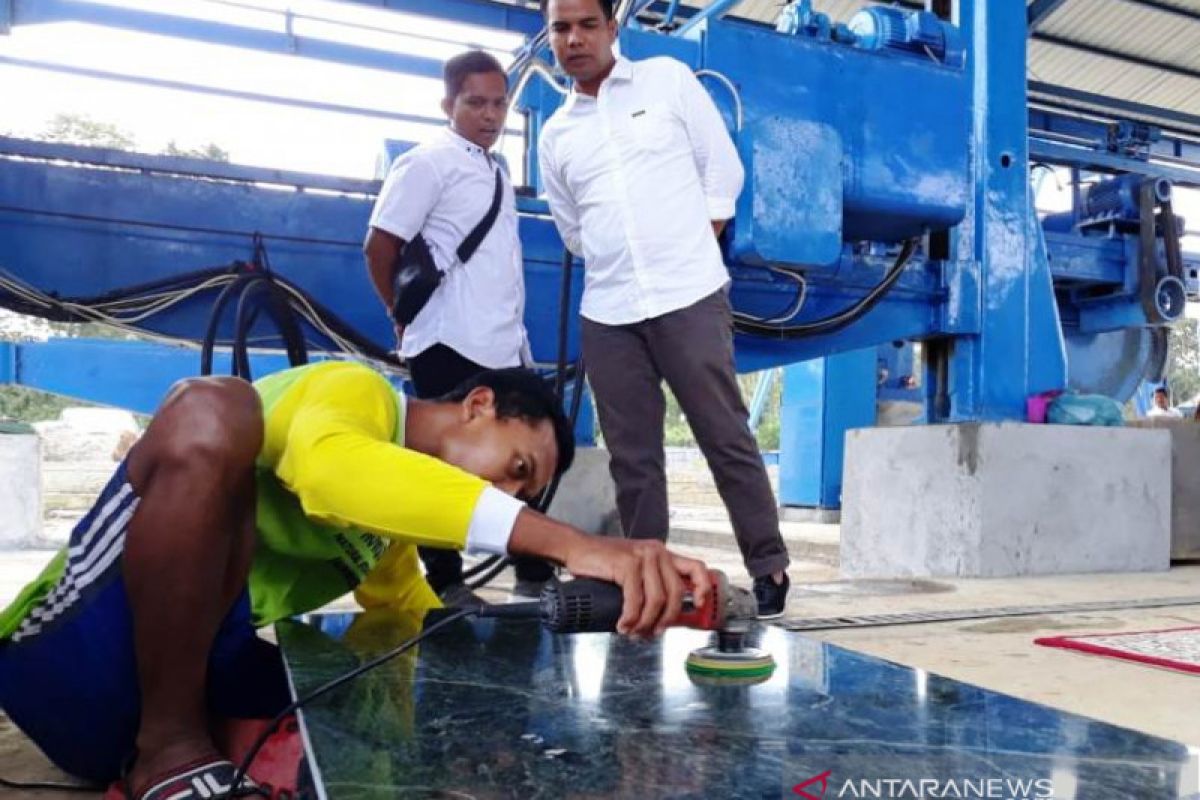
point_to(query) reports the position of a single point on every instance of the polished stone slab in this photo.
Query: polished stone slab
(500, 709)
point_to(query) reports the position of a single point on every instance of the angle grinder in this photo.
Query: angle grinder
(586, 605)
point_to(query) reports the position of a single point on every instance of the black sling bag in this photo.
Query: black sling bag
(417, 276)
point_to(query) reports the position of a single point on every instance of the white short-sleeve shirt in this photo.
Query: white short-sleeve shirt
(442, 189)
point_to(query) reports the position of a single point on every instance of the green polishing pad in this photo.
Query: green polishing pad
(711, 666)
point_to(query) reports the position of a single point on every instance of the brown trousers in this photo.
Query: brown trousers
(692, 350)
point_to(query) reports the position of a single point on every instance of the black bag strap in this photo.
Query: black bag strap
(476, 237)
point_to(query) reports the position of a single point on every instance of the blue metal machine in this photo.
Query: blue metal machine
(888, 163)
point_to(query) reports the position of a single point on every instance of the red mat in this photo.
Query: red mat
(1173, 648)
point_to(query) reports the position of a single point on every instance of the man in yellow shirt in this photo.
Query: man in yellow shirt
(242, 505)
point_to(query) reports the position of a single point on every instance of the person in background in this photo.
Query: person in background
(1162, 405)
(474, 320)
(641, 176)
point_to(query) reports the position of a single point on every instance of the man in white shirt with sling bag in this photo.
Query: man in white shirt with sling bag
(444, 256)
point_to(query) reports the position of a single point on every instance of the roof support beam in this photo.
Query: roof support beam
(1159, 5)
(1129, 58)
(1113, 107)
(1039, 10)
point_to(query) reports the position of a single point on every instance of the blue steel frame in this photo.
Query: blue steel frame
(88, 368)
(1011, 343)
(992, 300)
(822, 399)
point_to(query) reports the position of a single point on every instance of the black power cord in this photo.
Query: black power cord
(51, 786)
(240, 774)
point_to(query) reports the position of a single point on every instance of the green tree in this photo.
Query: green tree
(83, 130)
(677, 432)
(1183, 373)
(210, 152)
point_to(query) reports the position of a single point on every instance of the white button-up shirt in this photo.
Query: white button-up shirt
(442, 190)
(634, 177)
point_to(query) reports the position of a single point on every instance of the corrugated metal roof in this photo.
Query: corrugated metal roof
(1088, 45)
(1140, 31)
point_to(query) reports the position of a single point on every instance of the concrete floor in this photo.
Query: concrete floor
(998, 654)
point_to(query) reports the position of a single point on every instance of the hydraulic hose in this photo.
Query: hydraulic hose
(841, 319)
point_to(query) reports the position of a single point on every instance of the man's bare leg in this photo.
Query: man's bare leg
(187, 557)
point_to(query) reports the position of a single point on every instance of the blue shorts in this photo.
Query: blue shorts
(68, 675)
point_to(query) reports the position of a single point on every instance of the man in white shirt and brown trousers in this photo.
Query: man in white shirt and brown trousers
(641, 176)
(474, 320)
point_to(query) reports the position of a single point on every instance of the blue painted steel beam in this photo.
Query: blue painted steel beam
(222, 33)
(1019, 350)
(822, 399)
(1104, 105)
(1057, 153)
(98, 370)
(712, 11)
(1066, 127)
(762, 395)
(1039, 10)
(500, 16)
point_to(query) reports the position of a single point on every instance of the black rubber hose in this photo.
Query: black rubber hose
(841, 319)
(208, 343)
(281, 314)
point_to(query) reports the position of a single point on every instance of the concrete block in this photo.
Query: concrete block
(586, 497)
(20, 490)
(88, 434)
(1185, 483)
(1005, 499)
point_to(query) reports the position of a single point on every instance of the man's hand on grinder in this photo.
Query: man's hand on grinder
(651, 577)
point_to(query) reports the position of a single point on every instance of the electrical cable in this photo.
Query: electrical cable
(114, 308)
(795, 308)
(834, 322)
(51, 786)
(242, 769)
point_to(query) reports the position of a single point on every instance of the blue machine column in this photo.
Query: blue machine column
(822, 399)
(998, 272)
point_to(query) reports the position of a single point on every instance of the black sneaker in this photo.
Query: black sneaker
(771, 596)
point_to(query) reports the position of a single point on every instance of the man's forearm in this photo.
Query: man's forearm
(535, 534)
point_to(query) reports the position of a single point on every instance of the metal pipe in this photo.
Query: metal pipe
(670, 15)
(628, 9)
(762, 394)
(536, 66)
(714, 9)
(733, 90)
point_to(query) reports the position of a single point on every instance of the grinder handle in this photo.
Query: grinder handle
(588, 605)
